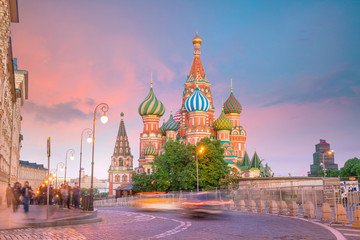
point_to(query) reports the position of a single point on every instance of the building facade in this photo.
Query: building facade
(323, 157)
(193, 121)
(13, 92)
(32, 172)
(121, 167)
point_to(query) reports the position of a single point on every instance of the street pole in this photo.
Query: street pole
(57, 165)
(72, 155)
(324, 168)
(48, 184)
(104, 108)
(89, 131)
(197, 172)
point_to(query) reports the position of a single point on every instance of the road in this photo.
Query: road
(127, 223)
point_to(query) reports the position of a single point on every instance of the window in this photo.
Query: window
(117, 178)
(124, 178)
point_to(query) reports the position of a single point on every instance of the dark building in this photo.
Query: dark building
(322, 155)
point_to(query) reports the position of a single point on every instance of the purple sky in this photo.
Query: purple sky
(294, 65)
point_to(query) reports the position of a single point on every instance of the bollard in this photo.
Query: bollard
(341, 214)
(283, 208)
(356, 223)
(326, 212)
(242, 205)
(273, 207)
(261, 206)
(252, 206)
(309, 210)
(294, 209)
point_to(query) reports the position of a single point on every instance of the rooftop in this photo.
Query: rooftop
(32, 165)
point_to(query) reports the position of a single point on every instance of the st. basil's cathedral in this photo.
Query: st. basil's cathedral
(192, 122)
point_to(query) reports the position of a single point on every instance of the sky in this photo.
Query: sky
(294, 65)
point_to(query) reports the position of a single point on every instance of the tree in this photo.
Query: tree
(176, 169)
(351, 168)
(143, 182)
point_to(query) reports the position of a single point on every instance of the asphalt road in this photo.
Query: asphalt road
(127, 223)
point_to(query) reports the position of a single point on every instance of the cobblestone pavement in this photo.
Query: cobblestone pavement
(126, 223)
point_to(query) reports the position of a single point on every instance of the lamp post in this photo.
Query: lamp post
(197, 166)
(104, 108)
(71, 157)
(61, 169)
(330, 152)
(89, 140)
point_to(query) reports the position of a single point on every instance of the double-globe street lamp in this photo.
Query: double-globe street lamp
(201, 150)
(104, 108)
(72, 152)
(89, 140)
(61, 169)
(330, 152)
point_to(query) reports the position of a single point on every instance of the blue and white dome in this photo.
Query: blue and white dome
(197, 102)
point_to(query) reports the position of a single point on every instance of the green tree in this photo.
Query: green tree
(143, 182)
(351, 168)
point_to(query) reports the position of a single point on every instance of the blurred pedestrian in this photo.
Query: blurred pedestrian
(9, 195)
(17, 196)
(76, 196)
(69, 190)
(26, 193)
(65, 195)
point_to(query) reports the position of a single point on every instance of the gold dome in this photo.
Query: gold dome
(197, 39)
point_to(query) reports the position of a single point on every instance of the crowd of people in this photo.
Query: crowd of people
(65, 196)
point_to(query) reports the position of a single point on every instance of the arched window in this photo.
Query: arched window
(117, 178)
(124, 178)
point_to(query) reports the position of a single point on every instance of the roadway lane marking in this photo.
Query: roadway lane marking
(181, 227)
(352, 235)
(347, 229)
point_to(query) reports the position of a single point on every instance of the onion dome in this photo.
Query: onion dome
(177, 116)
(149, 149)
(232, 105)
(223, 122)
(151, 105)
(162, 128)
(197, 39)
(171, 124)
(197, 102)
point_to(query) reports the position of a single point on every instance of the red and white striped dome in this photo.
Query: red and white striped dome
(177, 116)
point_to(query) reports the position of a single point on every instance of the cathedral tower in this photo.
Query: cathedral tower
(121, 168)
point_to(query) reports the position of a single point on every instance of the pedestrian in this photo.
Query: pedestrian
(17, 196)
(76, 195)
(26, 193)
(9, 195)
(69, 190)
(64, 194)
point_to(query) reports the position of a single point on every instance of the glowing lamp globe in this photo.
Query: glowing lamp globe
(104, 118)
(72, 157)
(89, 139)
(62, 169)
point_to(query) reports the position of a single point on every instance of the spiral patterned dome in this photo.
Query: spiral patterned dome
(197, 102)
(223, 122)
(149, 149)
(162, 128)
(232, 105)
(171, 124)
(177, 116)
(151, 105)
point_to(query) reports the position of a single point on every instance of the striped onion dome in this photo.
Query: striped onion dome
(177, 116)
(162, 128)
(151, 105)
(232, 105)
(197, 102)
(223, 122)
(171, 124)
(149, 149)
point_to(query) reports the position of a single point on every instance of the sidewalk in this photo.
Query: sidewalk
(36, 217)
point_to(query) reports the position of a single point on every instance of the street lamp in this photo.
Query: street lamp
(104, 108)
(71, 151)
(330, 152)
(61, 169)
(201, 150)
(89, 140)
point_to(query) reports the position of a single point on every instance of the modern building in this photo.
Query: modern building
(322, 158)
(32, 172)
(13, 92)
(121, 167)
(193, 121)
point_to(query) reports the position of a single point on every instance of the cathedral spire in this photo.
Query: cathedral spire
(122, 147)
(197, 72)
